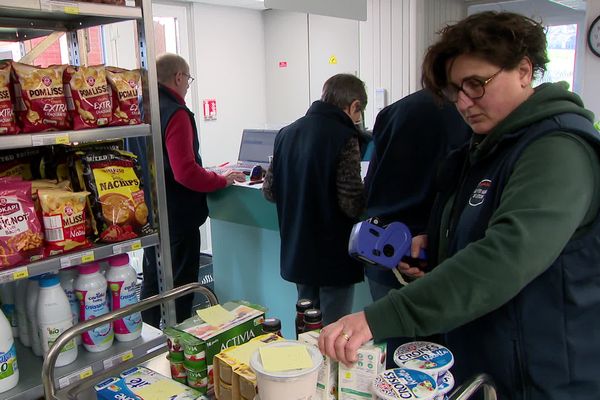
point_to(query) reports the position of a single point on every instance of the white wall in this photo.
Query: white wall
(393, 41)
(230, 67)
(591, 66)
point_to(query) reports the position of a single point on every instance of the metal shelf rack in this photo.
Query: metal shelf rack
(27, 19)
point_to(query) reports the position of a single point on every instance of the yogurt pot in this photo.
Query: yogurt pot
(428, 357)
(445, 384)
(298, 384)
(404, 383)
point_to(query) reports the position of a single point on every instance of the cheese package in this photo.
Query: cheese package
(140, 383)
(234, 379)
(355, 383)
(327, 382)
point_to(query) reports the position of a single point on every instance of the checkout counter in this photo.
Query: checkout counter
(245, 244)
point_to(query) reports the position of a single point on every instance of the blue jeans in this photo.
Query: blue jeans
(333, 301)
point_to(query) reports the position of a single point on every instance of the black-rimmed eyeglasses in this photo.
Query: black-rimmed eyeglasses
(189, 77)
(473, 88)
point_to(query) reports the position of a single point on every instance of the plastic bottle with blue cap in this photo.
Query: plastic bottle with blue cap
(54, 317)
(67, 278)
(21, 311)
(33, 290)
(7, 296)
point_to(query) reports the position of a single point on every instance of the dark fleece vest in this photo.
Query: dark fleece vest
(186, 208)
(532, 346)
(314, 230)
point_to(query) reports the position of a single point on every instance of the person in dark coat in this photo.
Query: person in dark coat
(314, 179)
(411, 137)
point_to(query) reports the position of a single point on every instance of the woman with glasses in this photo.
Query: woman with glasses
(514, 243)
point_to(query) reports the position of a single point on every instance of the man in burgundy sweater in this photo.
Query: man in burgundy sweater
(186, 181)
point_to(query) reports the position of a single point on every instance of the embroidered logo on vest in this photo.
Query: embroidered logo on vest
(479, 193)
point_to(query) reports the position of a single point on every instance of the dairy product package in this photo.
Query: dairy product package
(327, 382)
(233, 377)
(404, 383)
(355, 383)
(204, 341)
(140, 383)
(431, 358)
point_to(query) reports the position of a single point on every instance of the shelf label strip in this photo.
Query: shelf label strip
(76, 259)
(74, 377)
(118, 359)
(14, 274)
(125, 247)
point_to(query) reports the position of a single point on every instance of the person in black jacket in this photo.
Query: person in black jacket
(411, 137)
(314, 179)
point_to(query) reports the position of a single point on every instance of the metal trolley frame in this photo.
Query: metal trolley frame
(70, 392)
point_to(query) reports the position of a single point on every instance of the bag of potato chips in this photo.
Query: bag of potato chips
(117, 197)
(88, 98)
(40, 99)
(64, 219)
(8, 122)
(21, 236)
(126, 88)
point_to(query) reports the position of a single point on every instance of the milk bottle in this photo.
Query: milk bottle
(122, 282)
(9, 370)
(90, 289)
(67, 277)
(54, 317)
(7, 296)
(33, 289)
(21, 310)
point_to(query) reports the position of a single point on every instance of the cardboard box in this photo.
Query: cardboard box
(327, 382)
(140, 382)
(234, 379)
(211, 340)
(355, 383)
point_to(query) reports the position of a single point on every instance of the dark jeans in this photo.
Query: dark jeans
(185, 257)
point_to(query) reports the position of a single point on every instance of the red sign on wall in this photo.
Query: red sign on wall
(282, 64)
(210, 109)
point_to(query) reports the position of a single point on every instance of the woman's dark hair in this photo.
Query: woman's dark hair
(342, 89)
(502, 38)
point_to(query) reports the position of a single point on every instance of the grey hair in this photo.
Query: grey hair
(342, 89)
(168, 65)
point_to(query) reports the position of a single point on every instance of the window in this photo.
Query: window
(562, 41)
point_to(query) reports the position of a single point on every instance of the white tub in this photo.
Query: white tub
(299, 384)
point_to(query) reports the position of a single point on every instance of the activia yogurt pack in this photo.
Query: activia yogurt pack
(428, 357)
(404, 383)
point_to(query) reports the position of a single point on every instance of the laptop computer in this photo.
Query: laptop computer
(255, 148)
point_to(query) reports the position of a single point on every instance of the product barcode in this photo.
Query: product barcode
(53, 222)
(54, 235)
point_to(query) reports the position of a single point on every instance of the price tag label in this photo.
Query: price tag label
(13, 274)
(118, 359)
(129, 246)
(71, 10)
(87, 257)
(64, 139)
(68, 261)
(74, 377)
(20, 273)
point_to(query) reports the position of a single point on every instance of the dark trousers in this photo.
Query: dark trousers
(185, 257)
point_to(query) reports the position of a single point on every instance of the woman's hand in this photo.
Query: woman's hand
(343, 338)
(419, 242)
